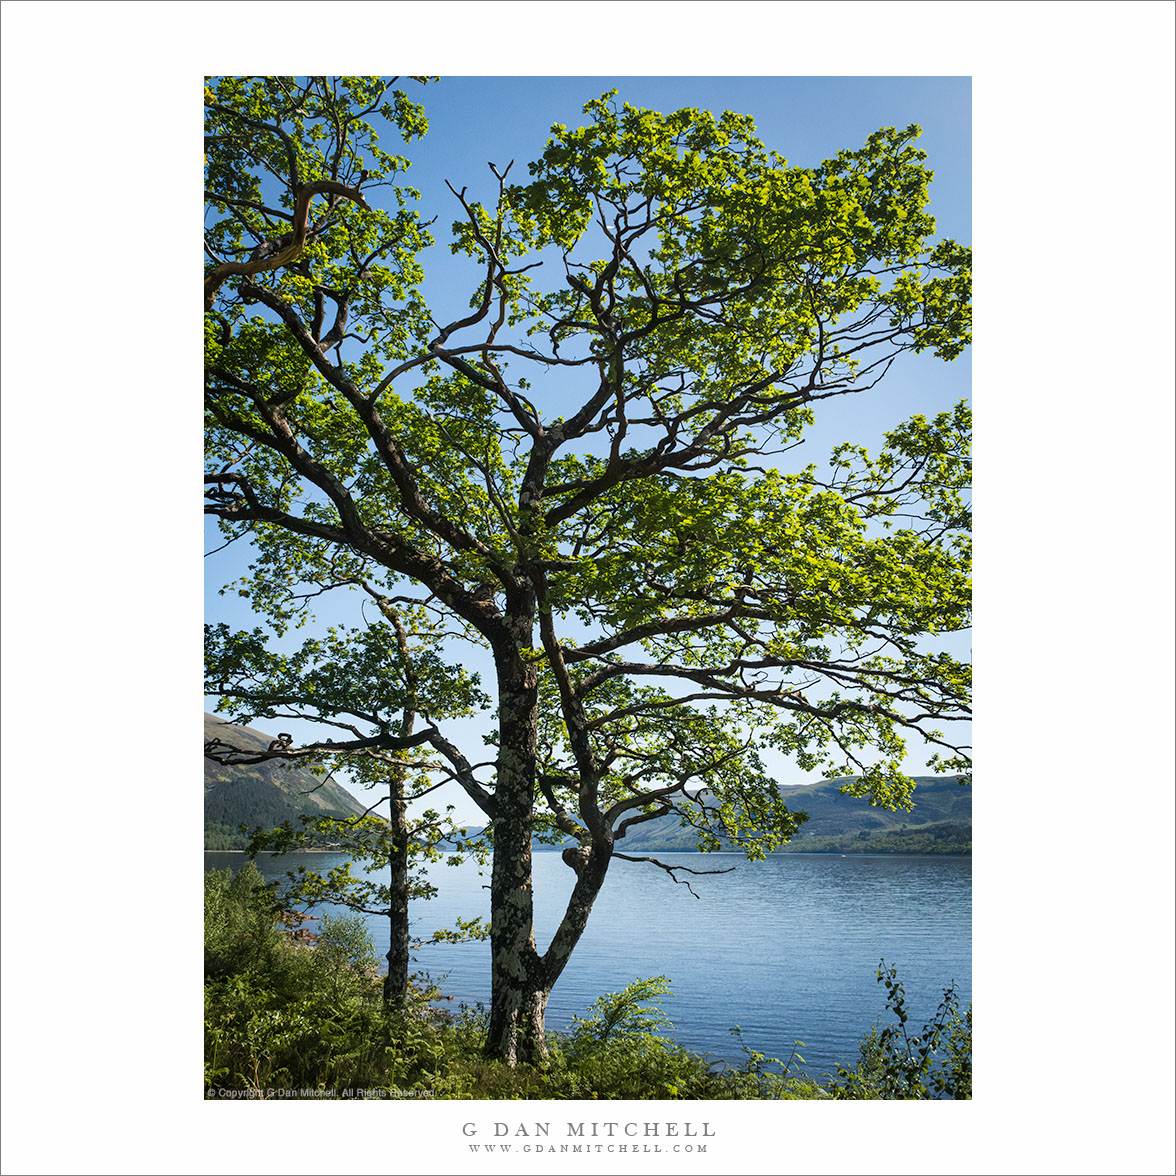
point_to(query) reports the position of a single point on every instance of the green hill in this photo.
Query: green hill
(940, 822)
(264, 794)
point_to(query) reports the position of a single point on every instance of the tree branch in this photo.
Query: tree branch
(671, 869)
(219, 274)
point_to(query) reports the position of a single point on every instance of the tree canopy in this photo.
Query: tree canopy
(591, 474)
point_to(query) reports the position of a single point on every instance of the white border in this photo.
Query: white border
(101, 580)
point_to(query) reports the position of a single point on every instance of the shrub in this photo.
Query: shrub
(895, 1064)
(239, 924)
(618, 1050)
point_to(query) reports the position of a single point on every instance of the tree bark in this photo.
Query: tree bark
(396, 981)
(518, 993)
(518, 990)
(521, 979)
(591, 866)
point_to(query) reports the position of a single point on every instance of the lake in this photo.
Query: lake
(785, 948)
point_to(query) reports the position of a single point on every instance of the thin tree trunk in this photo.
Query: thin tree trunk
(396, 981)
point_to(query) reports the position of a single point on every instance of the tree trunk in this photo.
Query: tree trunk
(518, 994)
(591, 866)
(521, 979)
(518, 1006)
(396, 981)
(518, 991)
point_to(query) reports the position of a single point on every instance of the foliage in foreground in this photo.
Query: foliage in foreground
(286, 1020)
(898, 1064)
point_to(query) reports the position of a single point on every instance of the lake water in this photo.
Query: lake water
(786, 948)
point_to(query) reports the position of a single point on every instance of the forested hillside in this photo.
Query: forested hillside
(263, 794)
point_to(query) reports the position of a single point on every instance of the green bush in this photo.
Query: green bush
(618, 1050)
(240, 932)
(895, 1063)
(280, 1014)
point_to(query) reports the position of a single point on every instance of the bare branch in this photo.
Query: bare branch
(671, 869)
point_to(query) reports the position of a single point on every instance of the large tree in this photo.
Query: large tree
(591, 473)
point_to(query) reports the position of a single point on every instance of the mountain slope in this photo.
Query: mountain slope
(264, 794)
(940, 822)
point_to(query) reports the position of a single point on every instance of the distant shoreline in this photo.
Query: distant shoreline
(713, 853)
(276, 853)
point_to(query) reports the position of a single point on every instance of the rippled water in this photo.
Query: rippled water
(786, 948)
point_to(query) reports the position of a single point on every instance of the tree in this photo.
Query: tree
(380, 675)
(589, 477)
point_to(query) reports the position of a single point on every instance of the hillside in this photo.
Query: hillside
(940, 822)
(263, 794)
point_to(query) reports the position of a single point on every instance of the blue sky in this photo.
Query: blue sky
(473, 121)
